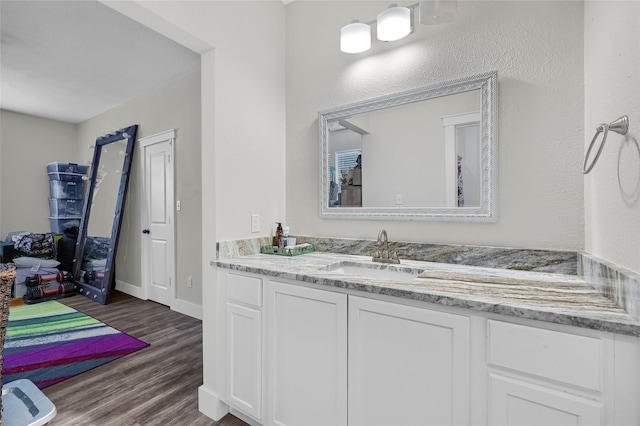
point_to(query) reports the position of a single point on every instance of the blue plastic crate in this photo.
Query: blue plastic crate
(67, 189)
(67, 177)
(59, 224)
(62, 207)
(58, 166)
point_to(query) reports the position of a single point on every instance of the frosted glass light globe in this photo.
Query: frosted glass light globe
(355, 37)
(394, 23)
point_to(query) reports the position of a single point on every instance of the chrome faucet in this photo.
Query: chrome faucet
(382, 254)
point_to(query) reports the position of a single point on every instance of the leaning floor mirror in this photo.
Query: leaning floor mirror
(95, 255)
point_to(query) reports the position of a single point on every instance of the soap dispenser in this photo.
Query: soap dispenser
(278, 240)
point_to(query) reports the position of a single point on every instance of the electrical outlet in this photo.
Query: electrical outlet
(190, 282)
(255, 222)
(178, 206)
(399, 201)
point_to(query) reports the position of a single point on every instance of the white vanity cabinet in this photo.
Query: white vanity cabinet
(402, 365)
(557, 375)
(307, 356)
(407, 365)
(294, 354)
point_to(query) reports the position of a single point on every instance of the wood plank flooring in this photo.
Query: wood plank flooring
(157, 385)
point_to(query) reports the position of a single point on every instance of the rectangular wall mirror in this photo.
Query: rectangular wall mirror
(94, 260)
(423, 154)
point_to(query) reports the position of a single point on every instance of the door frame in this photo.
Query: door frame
(143, 143)
(450, 123)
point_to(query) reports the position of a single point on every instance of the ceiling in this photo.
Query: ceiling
(73, 60)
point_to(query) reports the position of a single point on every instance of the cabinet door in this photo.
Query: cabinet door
(407, 365)
(307, 334)
(244, 354)
(515, 402)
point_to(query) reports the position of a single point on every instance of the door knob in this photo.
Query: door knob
(146, 231)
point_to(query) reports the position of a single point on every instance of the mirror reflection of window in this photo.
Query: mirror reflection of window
(348, 166)
(346, 146)
(346, 162)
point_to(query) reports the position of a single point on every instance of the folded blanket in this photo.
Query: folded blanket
(34, 245)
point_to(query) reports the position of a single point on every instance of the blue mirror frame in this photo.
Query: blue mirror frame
(94, 290)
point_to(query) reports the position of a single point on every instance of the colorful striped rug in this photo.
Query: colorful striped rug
(49, 342)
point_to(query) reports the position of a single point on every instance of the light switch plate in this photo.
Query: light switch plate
(255, 222)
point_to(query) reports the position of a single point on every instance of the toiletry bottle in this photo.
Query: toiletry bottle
(285, 236)
(279, 233)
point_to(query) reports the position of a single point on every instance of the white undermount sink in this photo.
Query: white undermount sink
(385, 273)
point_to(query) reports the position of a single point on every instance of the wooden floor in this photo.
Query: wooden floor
(157, 385)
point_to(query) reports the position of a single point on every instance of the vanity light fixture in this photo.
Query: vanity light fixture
(355, 37)
(438, 11)
(395, 23)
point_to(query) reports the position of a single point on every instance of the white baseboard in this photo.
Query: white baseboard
(187, 308)
(210, 405)
(130, 289)
(182, 306)
(244, 417)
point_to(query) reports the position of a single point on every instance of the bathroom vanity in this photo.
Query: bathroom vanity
(324, 339)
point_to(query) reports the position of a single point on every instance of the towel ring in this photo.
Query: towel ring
(620, 126)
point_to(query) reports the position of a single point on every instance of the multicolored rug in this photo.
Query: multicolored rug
(49, 342)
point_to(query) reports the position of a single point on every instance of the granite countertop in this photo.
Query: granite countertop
(550, 297)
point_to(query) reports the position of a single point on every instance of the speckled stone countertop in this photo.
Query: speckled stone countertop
(562, 262)
(550, 297)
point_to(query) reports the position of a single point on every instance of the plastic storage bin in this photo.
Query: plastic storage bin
(58, 166)
(59, 224)
(66, 177)
(67, 189)
(26, 405)
(65, 207)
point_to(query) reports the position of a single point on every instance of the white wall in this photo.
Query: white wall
(176, 105)
(242, 44)
(249, 106)
(612, 84)
(27, 145)
(405, 152)
(538, 54)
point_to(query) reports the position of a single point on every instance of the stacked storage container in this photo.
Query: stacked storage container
(66, 184)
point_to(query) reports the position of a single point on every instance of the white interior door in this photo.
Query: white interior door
(158, 222)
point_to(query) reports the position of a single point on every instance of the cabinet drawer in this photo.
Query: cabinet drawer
(244, 289)
(563, 357)
(515, 402)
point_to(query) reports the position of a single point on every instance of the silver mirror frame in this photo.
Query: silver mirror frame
(486, 212)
